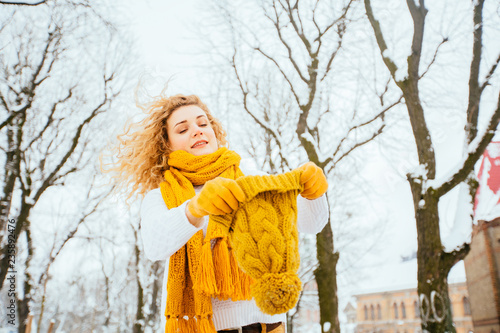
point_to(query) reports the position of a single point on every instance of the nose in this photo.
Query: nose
(197, 132)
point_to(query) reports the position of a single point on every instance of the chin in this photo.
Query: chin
(204, 151)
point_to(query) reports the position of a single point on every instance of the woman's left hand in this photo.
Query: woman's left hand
(314, 180)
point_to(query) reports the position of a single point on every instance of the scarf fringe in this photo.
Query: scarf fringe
(206, 325)
(246, 286)
(188, 325)
(236, 275)
(172, 325)
(205, 277)
(223, 274)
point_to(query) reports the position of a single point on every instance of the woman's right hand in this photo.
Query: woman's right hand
(218, 196)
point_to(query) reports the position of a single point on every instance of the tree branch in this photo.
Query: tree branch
(391, 66)
(282, 73)
(299, 31)
(340, 32)
(357, 145)
(367, 122)
(247, 110)
(50, 117)
(340, 18)
(433, 58)
(451, 258)
(23, 3)
(490, 73)
(75, 140)
(418, 14)
(72, 232)
(474, 89)
(276, 24)
(472, 157)
(8, 120)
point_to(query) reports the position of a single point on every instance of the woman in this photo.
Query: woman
(178, 157)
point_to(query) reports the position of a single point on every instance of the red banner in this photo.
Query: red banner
(487, 200)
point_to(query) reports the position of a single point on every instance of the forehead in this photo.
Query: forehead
(187, 112)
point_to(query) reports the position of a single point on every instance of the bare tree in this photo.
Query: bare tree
(283, 69)
(434, 262)
(57, 82)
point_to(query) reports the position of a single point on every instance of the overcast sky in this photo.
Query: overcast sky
(163, 30)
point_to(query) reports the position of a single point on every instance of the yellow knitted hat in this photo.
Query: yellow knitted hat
(263, 233)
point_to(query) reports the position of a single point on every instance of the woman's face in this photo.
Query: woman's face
(188, 129)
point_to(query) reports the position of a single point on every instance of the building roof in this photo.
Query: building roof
(349, 308)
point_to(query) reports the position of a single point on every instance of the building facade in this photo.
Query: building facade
(398, 311)
(481, 267)
(482, 264)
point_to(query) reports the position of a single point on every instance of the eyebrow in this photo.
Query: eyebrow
(184, 121)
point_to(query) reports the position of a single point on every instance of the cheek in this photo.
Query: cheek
(212, 134)
(210, 131)
(176, 142)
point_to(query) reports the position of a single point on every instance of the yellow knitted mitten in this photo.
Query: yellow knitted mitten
(314, 180)
(218, 196)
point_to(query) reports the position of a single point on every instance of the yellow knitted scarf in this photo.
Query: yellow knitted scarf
(197, 271)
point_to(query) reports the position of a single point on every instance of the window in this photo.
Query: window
(379, 312)
(372, 312)
(467, 312)
(396, 314)
(366, 312)
(416, 309)
(403, 310)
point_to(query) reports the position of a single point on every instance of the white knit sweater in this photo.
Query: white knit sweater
(165, 231)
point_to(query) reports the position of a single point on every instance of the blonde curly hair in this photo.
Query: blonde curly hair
(141, 154)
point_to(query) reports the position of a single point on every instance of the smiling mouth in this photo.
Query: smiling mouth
(199, 144)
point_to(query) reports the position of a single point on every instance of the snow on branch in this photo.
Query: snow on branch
(476, 149)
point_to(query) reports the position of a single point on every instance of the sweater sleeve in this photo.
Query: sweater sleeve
(163, 230)
(312, 215)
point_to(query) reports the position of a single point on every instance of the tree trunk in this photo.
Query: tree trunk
(155, 306)
(326, 278)
(289, 323)
(139, 316)
(11, 173)
(23, 304)
(20, 226)
(433, 268)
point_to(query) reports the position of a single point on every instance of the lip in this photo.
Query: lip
(200, 141)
